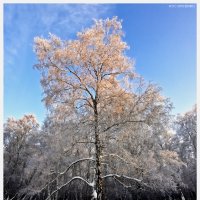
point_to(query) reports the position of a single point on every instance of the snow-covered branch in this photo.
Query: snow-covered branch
(116, 176)
(62, 173)
(135, 179)
(126, 186)
(121, 176)
(75, 162)
(74, 178)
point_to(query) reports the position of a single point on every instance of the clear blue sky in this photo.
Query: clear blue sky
(162, 40)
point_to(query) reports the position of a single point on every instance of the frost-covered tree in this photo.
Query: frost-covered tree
(86, 74)
(18, 148)
(185, 143)
(90, 85)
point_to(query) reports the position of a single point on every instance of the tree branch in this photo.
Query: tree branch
(122, 123)
(74, 178)
(126, 186)
(122, 176)
(126, 177)
(62, 173)
(80, 160)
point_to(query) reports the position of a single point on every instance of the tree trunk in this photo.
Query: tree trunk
(99, 183)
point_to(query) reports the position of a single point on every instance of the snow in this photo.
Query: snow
(94, 194)
(123, 176)
(182, 197)
(91, 184)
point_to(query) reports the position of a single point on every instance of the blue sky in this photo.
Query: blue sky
(162, 40)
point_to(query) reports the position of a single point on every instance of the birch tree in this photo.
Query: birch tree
(86, 74)
(92, 81)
